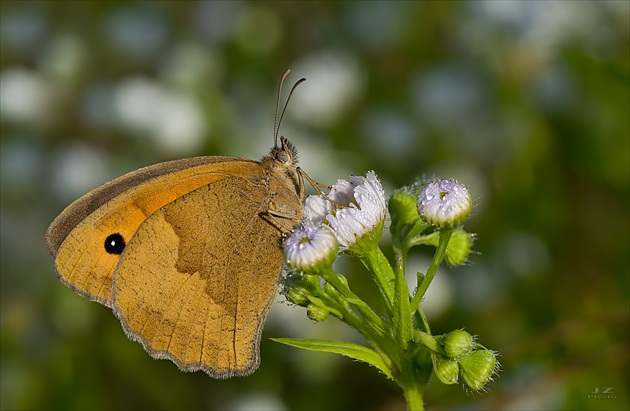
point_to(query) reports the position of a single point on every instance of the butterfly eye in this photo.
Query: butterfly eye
(115, 244)
(283, 157)
(286, 153)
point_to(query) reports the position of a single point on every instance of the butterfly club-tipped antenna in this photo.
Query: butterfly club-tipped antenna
(276, 129)
(278, 121)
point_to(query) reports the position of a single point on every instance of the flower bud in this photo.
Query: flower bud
(297, 295)
(444, 203)
(310, 248)
(445, 369)
(316, 313)
(403, 209)
(298, 287)
(477, 368)
(458, 248)
(458, 343)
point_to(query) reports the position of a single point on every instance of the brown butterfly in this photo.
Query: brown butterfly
(187, 253)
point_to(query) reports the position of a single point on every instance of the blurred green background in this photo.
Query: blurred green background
(526, 102)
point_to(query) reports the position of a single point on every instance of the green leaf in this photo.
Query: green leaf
(354, 351)
(402, 310)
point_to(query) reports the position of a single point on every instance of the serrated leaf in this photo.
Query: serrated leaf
(354, 351)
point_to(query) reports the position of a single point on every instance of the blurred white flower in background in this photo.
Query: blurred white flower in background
(334, 82)
(256, 401)
(64, 59)
(174, 120)
(25, 96)
(441, 293)
(76, 169)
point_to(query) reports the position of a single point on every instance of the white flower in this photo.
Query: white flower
(310, 245)
(359, 207)
(316, 208)
(444, 203)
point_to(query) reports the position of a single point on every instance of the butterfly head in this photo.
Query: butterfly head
(285, 154)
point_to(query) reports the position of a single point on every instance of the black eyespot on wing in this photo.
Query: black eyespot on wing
(115, 244)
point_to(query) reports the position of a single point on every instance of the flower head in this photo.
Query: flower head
(310, 246)
(359, 207)
(444, 203)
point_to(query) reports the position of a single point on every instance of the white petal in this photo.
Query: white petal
(316, 208)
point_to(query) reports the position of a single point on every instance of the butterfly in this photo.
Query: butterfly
(187, 253)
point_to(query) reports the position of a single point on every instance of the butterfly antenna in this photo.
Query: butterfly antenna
(277, 121)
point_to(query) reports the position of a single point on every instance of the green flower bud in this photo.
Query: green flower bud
(458, 343)
(331, 290)
(297, 295)
(403, 209)
(445, 369)
(316, 313)
(298, 287)
(477, 368)
(458, 248)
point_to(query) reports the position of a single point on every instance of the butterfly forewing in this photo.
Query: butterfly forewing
(77, 236)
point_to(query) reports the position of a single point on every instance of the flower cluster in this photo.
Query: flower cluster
(351, 211)
(352, 208)
(350, 219)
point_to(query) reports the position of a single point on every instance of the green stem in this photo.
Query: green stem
(428, 239)
(428, 341)
(421, 320)
(370, 325)
(378, 265)
(413, 391)
(440, 251)
(402, 315)
(364, 309)
(418, 227)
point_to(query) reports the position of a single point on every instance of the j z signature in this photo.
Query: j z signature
(602, 393)
(602, 390)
